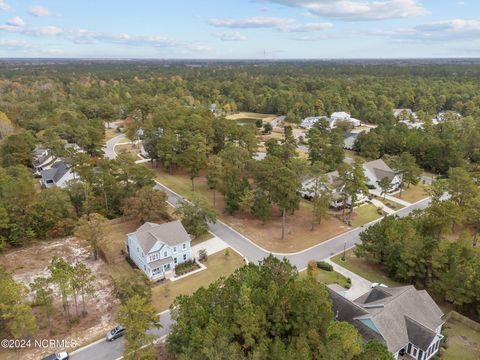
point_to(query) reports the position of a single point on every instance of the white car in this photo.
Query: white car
(57, 356)
(378, 284)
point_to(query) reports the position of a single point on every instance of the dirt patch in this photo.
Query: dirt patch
(32, 262)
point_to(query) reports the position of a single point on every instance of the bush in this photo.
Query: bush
(202, 255)
(324, 266)
(311, 266)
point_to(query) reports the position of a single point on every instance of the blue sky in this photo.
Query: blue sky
(240, 29)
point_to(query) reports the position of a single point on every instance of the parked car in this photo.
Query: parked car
(378, 284)
(115, 333)
(57, 356)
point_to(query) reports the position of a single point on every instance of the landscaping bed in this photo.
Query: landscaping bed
(186, 267)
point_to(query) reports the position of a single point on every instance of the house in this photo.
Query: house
(404, 319)
(337, 187)
(447, 115)
(42, 159)
(308, 122)
(157, 248)
(57, 175)
(376, 170)
(343, 116)
(349, 140)
(405, 114)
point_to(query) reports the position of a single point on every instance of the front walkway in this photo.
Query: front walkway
(359, 286)
(381, 205)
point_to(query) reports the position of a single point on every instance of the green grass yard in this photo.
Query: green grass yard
(361, 267)
(218, 265)
(463, 342)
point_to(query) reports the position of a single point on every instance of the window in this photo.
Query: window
(409, 349)
(414, 352)
(184, 246)
(175, 260)
(156, 271)
(164, 254)
(184, 257)
(174, 249)
(420, 354)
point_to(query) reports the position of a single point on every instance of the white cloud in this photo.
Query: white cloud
(41, 11)
(359, 10)
(16, 21)
(446, 30)
(230, 36)
(282, 24)
(12, 44)
(4, 6)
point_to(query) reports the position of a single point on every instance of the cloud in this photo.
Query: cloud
(11, 44)
(4, 6)
(445, 30)
(41, 11)
(282, 24)
(359, 10)
(16, 22)
(230, 36)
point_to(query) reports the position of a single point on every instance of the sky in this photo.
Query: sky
(240, 29)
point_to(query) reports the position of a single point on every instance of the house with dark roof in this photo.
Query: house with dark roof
(57, 175)
(157, 248)
(404, 319)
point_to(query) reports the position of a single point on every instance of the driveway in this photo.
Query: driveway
(108, 149)
(359, 286)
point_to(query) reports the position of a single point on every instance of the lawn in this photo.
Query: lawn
(413, 194)
(297, 232)
(127, 148)
(110, 133)
(364, 214)
(329, 277)
(463, 342)
(359, 266)
(218, 265)
(250, 115)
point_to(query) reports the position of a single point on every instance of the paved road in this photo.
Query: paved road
(104, 350)
(253, 253)
(108, 149)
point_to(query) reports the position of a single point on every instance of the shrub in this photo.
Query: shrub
(324, 266)
(311, 266)
(202, 255)
(227, 252)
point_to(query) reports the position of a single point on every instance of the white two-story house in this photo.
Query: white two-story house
(157, 248)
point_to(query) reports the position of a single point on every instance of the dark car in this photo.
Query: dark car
(115, 333)
(57, 356)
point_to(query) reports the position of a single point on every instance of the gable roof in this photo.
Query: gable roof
(56, 172)
(378, 169)
(401, 315)
(171, 233)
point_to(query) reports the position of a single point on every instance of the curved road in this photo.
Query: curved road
(111, 351)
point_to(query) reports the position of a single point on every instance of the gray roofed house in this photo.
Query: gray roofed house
(42, 159)
(377, 169)
(403, 318)
(57, 175)
(157, 248)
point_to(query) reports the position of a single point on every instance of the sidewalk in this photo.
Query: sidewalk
(359, 286)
